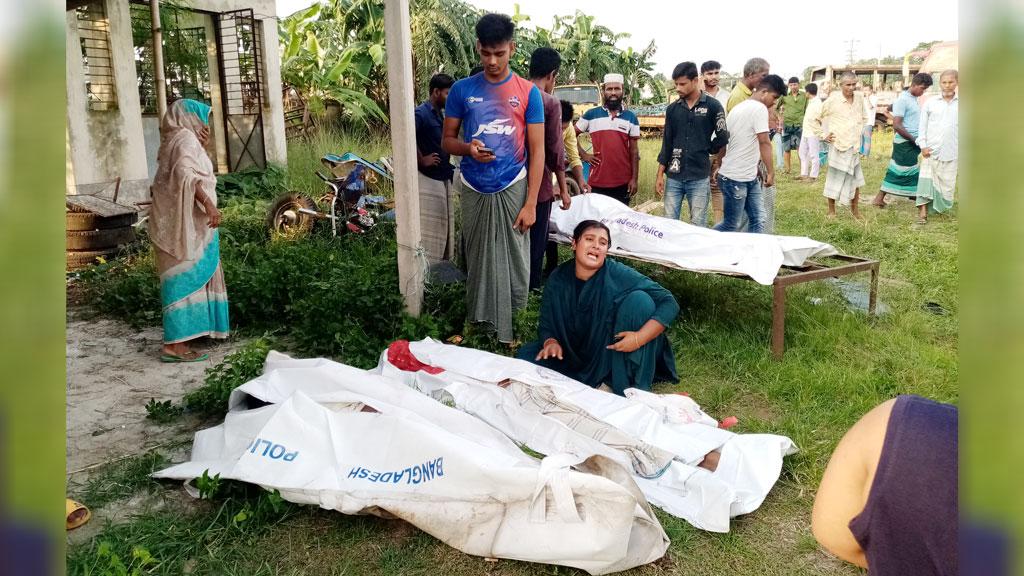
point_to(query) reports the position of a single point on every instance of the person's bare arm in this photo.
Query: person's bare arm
(765, 146)
(451, 144)
(716, 164)
(432, 159)
(897, 125)
(563, 190)
(584, 155)
(577, 175)
(630, 341)
(204, 200)
(534, 172)
(846, 484)
(634, 153)
(659, 181)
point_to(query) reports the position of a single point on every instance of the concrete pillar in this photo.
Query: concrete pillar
(134, 172)
(273, 106)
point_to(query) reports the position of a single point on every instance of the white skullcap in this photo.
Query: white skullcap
(613, 78)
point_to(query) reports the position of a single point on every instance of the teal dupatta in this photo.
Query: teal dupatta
(585, 316)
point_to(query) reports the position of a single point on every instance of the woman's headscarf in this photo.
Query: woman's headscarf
(177, 225)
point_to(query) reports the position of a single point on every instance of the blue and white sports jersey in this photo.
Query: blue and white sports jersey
(496, 114)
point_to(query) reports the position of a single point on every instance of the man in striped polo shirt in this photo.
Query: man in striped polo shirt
(614, 132)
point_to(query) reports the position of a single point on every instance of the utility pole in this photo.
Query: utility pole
(158, 61)
(852, 42)
(397, 38)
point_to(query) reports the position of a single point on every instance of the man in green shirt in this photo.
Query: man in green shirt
(753, 72)
(792, 106)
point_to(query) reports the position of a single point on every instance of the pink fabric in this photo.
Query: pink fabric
(177, 224)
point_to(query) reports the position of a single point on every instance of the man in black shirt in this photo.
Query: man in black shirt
(437, 215)
(694, 129)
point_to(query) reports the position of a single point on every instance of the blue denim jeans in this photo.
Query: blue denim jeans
(740, 197)
(697, 194)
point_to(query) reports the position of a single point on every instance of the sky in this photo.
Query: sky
(789, 37)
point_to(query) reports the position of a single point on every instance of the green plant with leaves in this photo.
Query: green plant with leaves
(109, 563)
(587, 48)
(637, 68)
(307, 38)
(252, 183)
(208, 486)
(162, 412)
(443, 40)
(211, 399)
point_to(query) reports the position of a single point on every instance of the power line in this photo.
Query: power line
(852, 43)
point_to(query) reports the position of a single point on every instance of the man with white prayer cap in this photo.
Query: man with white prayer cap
(614, 132)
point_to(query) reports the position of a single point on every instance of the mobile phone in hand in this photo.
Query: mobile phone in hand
(485, 150)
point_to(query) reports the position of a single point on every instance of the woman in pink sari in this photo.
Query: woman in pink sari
(183, 227)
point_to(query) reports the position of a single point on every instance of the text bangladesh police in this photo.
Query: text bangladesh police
(417, 474)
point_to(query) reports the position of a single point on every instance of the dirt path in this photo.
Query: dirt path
(112, 372)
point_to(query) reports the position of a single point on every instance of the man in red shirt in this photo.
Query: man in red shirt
(614, 132)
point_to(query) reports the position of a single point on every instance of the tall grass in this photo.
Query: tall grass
(304, 156)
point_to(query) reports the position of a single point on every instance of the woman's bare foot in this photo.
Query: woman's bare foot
(181, 350)
(710, 461)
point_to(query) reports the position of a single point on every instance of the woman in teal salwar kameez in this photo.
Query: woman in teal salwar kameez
(602, 322)
(183, 227)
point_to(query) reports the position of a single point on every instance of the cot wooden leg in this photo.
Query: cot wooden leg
(873, 294)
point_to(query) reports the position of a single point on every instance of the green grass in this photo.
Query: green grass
(838, 364)
(304, 157)
(122, 479)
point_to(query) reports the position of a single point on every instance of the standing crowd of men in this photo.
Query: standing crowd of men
(720, 149)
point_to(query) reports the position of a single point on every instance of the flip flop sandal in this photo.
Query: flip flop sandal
(922, 221)
(76, 514)
(172, 358)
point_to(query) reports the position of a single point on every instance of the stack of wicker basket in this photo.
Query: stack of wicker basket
(96, 228)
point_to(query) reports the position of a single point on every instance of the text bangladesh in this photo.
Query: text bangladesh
(413, 475)
(634, 225)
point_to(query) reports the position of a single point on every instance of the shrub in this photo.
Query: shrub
(252, 183)
(211, 399)
(125, 288)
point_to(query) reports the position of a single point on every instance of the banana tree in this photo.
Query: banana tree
(637, 68)
(306, 42)
(443, 39)
(588, 49)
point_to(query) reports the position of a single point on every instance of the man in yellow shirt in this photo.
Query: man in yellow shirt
(844, 112)
(573, 162)
(753, 72)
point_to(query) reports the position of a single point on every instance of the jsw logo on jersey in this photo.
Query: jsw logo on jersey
(495, 127)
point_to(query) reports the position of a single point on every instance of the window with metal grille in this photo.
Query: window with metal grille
(94, 38)
(186, 62)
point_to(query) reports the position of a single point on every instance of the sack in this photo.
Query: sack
(749, 464)
(359, 443)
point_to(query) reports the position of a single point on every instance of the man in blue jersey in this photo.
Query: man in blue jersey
(502, 119)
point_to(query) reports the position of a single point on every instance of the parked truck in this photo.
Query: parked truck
(583, 97)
